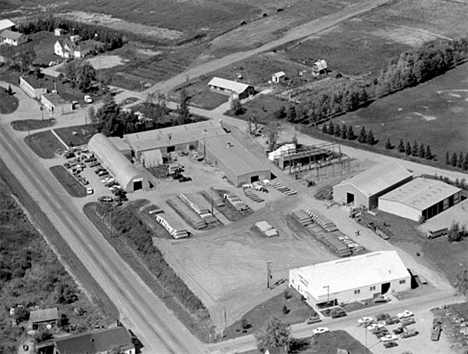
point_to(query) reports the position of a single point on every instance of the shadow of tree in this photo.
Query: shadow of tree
(296, 345)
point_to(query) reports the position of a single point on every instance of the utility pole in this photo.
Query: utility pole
(268, 264)
(211, 198)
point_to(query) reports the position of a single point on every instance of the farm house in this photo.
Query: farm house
(231, 88)
(127, 175)
(420, 198)
(351, 279)
(238, 164)
(167, 140)
(365, 188)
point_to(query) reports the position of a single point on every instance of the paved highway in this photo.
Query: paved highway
(140, 309)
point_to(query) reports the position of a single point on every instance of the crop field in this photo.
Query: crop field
(433, 113)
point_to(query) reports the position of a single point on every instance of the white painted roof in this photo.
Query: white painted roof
(353, 272)
(279, 74)
(378, 178)
(234, 86)
(6, 24)
(421, 193)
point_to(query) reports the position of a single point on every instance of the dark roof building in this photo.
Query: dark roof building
(43, 317)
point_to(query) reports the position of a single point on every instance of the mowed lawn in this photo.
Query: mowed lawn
(8, 103)
(434, 113)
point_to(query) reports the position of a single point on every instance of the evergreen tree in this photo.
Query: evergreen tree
(415, 149)
(428, 153)
(350, 134)
(447, 159)
(408, 149)
(324, 129)
(401, 146)
(337, 130)
(292, 114)
(344, 132)
(362, 136)
(453, 161)
(422, 151)
(331, 128)
(460, 160)
(388, 145)
(370, 138)
(465, 163)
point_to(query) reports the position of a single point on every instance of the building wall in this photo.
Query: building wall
(165, 150)
(351, 295)
(57, 108)
(340, 194)
(31, 91)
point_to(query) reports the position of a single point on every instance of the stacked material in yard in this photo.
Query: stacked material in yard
(336, 241)
(252, 195)
(302, 217)
(187, 213)
(321, 220)
(283, 189)
(236, 202)
(200, 206)
(172, 226)
(217, 199)
(266, 229)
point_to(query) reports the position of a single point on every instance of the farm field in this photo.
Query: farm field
(433, 113)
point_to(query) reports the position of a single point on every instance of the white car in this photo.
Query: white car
(320, 330)
(389, 338)
(89, 191)
(373, 326)
(88, 99)
(405, 314)
(365, 320)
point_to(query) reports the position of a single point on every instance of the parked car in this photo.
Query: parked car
(88, 99)
(185, 179)
(409, 333)
(365, 320)
(105, 199)
(89, 191)
(389, 338)
(407, 321)
(390, 344)
(405, 314)
(381, 334)
(337, 312)
(374, 326)
(320, 330)
(399, 330)
(392, 320)
(313, 319)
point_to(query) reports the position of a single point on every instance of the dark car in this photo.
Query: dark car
(313, 319)
(185, 179)
(390, 344)
(392, 320)
(408, 321)
(399, 330)
(337, 313)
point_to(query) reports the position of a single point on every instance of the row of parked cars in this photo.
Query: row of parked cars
(109, 182)
(77, 160)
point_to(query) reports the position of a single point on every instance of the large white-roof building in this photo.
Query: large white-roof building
(6, 25)
(365, 188)
(238, 164)
(229, 87)
(127, 175)
(351, 279)
(420, 198)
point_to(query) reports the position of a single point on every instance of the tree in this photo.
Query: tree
(462, 282)
(344, 132)
(274, 334)
(85, 77)
(388, 145)
(109, 118)
(422, 151)
(415, 149)
(184, 102)
(236, 106)
(285, 310)
(350, 134)
(21, 314)
(42, 335)
(292, 114)
(280, 113)
(370, 138)
(324, 129)
(454, 234)
(428, 153)
(10, 90)
(65, 293)
(245, 324)
(362, 136)
(337, 130)
(460, 160)
(401, 146)
(331, 128)
(273, 133)
(465, 162)
(447, 159)
(453, 161)
(408, 149)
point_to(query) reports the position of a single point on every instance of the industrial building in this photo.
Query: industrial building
(32, 86)
(364, 189)
(236, 89)
(181, 137)
(121, 145)
(420, 199)
(351, 279)
(127, 175)
(238, 164)
(55, 103)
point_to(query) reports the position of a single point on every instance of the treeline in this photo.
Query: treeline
(110, 38)
(416, 150)
(344, 132)
(139, 238)
(409, 69)
(458, 161)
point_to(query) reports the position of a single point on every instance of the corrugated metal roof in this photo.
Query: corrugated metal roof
(6, 24)
(119, 143)
(237, 87)
(353, 272)
(181, 134)
(379, 178)
(234, 155)
(421, 193)
(44, 315)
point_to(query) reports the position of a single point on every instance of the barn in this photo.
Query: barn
(167, 140)
(419, 199)
(364, 189)
(127, 175)
(238, 164)
(236, 89)
(351, 279)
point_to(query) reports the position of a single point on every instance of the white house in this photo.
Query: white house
(277, 77)
(13, 38)
(66, 48)
(351, 279)
(58, 32)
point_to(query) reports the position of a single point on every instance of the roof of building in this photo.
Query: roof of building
(44, 315)
(94, 342)
(10, 34)
(378, 178)
(181, 134)
(234, 86)
(32, 81)
(353, 272)
(119, 143)
(421, 193)
(279, 74)
(234, 155)
(55, 99)
(5, 24)
(122, 169)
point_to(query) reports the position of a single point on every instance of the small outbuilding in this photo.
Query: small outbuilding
(124, 172)
(277, 77)
(351, 279)
(58, 32)
(419, 199)
(43, 317)
(364, 189)
(320, 67)
(151, 158)
(55, 103)
(236, 89)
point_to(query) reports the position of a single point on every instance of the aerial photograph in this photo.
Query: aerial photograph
(233, 177)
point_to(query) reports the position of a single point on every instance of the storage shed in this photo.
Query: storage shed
(277, 77)
(127, 175)
(151, 158)
(238, 164)
(55, 103)
(351, 279)
(231, 88)
(365, 188)
(420, 198)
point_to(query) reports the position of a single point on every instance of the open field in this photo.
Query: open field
(44, 144)
(8, 103)
(71, 185)
(32, 124)
(76, 135)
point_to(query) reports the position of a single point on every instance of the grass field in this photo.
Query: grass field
(71, 185)
(8, 103)
(32, 124)
(44, 144)
(76, 135)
